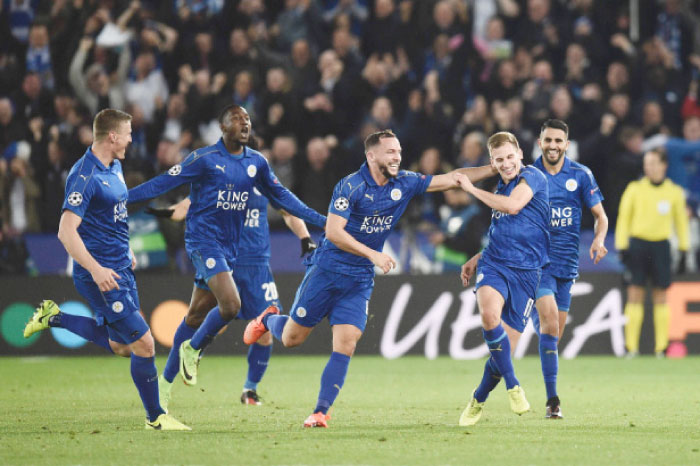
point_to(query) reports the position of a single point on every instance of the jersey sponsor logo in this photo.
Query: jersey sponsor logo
(663, 207)
(220, 167)
(75, 198)
(571, 184)
(117, 306)
(396, 194)
(210, 263)
(231, 200)
(562, 216)
(120, 212)
(252, 218)
(175, 170)
(496, 214)
(341, 204)
(252, 171)
(377, 224)
(301, 312)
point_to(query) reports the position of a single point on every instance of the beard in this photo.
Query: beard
(556, 161)
(384, 170)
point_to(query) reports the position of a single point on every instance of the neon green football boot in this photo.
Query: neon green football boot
(189, 363)
(518, 403)
(166, 422)
(40, 318)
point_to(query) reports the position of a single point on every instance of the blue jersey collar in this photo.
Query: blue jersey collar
(367, 176)
(539, 163)
(222, 148)
(95, 161)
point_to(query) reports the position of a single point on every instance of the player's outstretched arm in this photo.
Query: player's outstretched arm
(447, 180)
(511, 204)
(298, 227)
(336, 234)
(68, 235)
(600, 229)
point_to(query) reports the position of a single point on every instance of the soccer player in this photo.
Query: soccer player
(221, 178)
(365, 207)
(509, 268)
(649, 209)
(254, 280)
(95, 232)
(571, 186)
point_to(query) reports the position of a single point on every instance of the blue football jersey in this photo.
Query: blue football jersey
(569, 190)
(220, 187)
(521, 241)
(254, 244)
(98, 195)
(372, 211)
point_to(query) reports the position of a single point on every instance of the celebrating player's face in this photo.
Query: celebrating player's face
(236, 127)
(554, 144)
(507, 159)
(121, 139)
(387, 156)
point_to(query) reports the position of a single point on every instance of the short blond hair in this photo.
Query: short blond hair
(501, 138)
(108, 120)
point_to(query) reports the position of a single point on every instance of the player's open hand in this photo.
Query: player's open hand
(384, 262)
(468, 269)
(105, 278)
(597, 251)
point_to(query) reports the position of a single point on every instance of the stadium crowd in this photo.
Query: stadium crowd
(318, 76)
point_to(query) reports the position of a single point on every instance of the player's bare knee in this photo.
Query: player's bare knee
(265, 340)
(291, 340)
(119, 349)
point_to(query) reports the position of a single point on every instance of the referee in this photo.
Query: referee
(649, 208)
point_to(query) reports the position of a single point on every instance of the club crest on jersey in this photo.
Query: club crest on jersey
(175, 170)
(252, 171)
(396, 194)
(210, 263)
(301, 312)
(571, 184)
(341, 204)
(117, 306)
(75, 198)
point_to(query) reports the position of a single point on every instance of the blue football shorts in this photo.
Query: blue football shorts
(207, 263)
(518, 288)
(559, 287)
(344, 299)
(118, 309)
(257, 290)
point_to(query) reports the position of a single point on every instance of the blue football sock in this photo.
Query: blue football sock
(488, 381)
(85, 327)
(549, 357)
(206, 332)
(258, 357)
(172, 365)
(332, 381)
(499, 346)
(275, 324)
(145, 376)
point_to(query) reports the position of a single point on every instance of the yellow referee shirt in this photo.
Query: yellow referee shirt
(648, 211)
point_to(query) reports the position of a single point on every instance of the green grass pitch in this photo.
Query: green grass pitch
(86, 411)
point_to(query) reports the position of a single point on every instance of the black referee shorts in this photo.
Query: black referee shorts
(649, 260)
